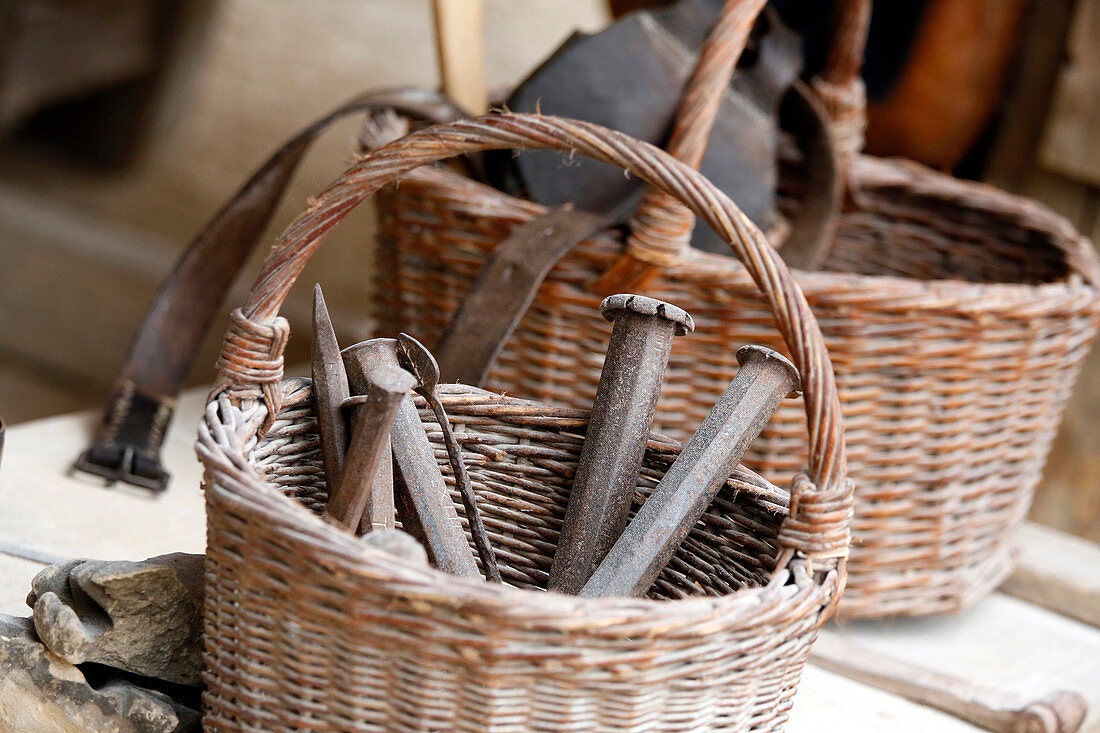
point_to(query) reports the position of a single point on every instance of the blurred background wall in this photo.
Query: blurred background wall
(84, 242)
(157, 110)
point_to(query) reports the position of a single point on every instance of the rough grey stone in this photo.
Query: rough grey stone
(143, 617)
(41, 692)
(399, 543)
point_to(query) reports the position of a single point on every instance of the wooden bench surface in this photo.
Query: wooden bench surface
(1004, 641)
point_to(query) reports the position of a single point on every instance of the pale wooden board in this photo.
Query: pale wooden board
(48, 510)
(826, 703)
(829, 703)
(1002, 642)
(15, 583)
(1059, 572)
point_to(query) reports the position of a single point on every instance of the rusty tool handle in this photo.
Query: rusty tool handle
(421, 497)
(251, 358)
(618, 430)
(996, 710)
(423, 502)
(359, 489)
(419, 360)
(694, 478)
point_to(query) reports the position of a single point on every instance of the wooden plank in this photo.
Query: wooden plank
(461, 56)
(1002, 642)
(1059, 572)
(48, 510)
(829, 703)
(1069, 141)
(15, 582)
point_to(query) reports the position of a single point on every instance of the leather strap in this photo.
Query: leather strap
(126, 445)
(507, 284)
(500, 296)
(808, 243)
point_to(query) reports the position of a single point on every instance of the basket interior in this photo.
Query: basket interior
(935, 228)
(522, 466)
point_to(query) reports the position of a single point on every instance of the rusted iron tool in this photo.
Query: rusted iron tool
(1059, 711)
(417, 358)
(611, 457)
(365, 490)
(421, 496)
(692, 481)
(330, 390)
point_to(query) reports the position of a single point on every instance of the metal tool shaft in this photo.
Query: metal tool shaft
(614, 445)
(330, 389)
(416, 357)
(360, 490)
(431, 514)
(693, 480)
(421, 497)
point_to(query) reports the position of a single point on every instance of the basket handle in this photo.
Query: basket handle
(839, 85)
(661, 228)
(250, 364)
(126, 445)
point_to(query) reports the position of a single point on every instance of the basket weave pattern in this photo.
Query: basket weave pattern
(952, 389)
(308, 628)
(355, 637)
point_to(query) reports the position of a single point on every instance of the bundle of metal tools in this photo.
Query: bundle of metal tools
(366, 415)
(601, 553)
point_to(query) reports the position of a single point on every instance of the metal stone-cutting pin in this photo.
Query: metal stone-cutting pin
(614, 445)
(420, 362)
(422, 501)
(693, 480)
(365, 488)
(330, 390)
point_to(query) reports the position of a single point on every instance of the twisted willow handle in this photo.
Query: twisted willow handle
(251, 357)
(839, 84)
(661, 228)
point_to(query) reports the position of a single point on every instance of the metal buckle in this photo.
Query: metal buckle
(121, 467)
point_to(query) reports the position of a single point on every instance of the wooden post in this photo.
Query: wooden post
(461, 58)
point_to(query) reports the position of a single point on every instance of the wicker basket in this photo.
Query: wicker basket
(307, 628)
(957, 317)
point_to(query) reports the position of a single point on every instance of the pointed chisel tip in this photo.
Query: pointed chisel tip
(330, 389)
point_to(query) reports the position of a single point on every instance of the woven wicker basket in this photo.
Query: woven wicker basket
(307, 628)
(957, 317)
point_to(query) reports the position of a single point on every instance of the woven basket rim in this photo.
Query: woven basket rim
(341, 552)
(906, 293)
